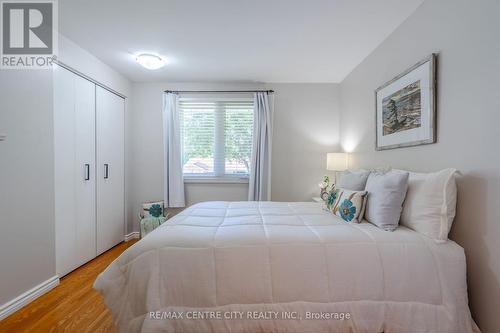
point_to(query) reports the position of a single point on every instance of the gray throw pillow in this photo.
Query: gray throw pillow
(353, 180)
(386, 193)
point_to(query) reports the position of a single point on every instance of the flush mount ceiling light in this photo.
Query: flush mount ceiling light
(150, 61)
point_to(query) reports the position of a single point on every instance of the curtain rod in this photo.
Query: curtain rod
(216, 91)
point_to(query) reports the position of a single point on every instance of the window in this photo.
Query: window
(216, 137)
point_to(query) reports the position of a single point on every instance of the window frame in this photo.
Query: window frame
(219, 143)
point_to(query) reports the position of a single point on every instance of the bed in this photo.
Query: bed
(285, 267)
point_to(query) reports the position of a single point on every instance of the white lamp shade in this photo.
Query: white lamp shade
(336, 161)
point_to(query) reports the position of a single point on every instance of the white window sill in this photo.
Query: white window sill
(215, 180)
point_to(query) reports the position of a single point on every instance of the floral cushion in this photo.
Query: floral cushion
(348, 205)
(152, 209)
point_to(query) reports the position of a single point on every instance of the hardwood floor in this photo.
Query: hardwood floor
(73, 306)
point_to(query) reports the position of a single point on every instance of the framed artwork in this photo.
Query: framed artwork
(406, 108)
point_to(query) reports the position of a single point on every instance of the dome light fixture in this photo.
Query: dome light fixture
(150, 61)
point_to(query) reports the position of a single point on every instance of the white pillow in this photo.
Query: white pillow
(353, 180)
(431, 202)
(386, 193)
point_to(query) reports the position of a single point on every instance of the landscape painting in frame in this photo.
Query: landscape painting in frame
(405, 108)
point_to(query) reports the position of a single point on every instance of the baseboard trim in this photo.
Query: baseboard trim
(29, 296)
(132, 235)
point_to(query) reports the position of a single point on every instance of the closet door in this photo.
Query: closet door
(85, 175)
(74, 164)
(110, 114)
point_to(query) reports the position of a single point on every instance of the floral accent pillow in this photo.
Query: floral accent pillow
(156, 210)
(346, 204)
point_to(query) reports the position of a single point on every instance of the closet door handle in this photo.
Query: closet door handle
(106, 171)
(87, 171)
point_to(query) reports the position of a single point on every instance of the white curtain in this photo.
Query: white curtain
(259, 188)
(173, 188)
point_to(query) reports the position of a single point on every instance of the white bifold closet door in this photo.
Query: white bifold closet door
(89, 169)
(75, 174)
(110, 119)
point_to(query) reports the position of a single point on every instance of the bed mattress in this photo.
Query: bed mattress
(285, 267)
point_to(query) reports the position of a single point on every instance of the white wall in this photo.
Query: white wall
(80, 59)
(465, 34)
(27, 241)
(306, 128)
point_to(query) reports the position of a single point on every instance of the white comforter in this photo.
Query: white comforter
(270, 266)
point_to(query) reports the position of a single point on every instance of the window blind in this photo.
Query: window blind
(216, 137)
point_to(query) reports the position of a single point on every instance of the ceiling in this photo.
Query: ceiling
(234, 40)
